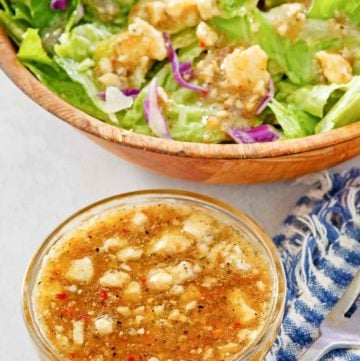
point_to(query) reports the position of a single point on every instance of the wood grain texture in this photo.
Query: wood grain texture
(213, 163)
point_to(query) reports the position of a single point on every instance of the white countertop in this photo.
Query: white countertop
(48, 171)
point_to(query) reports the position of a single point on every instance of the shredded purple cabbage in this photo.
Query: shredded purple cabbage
(130, 92)
(58, 4)
(175, 65)
(101, 95)
(260, 134)
(153, 115)
(267, 98)
(187, 71)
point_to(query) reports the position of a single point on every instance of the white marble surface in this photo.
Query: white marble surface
(48, 171)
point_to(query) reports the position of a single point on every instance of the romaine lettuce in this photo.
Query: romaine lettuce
(232, 8)
(313, 99)
(113, 12)
(80, 43)
(13, 26)
(38, 13)
(31, 49)
(294, 122)
(33, 55)
(345, 111)
(326, 9)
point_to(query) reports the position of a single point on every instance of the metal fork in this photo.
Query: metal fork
(338, 331)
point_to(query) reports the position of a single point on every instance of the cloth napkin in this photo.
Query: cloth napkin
(319, 243)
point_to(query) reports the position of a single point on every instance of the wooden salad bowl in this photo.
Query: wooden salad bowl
(212, 163)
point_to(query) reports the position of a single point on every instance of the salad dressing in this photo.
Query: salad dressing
(164, 281)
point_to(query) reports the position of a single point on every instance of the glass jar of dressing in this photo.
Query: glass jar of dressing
(155, 275)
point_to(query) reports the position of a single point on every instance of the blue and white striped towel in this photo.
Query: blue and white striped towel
(320, 246)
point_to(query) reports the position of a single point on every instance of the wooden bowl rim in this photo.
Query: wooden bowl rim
(27, 82)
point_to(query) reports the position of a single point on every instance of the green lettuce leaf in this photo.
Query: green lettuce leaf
(85, 78)
(39, 14)
(345, 111)
(31, 49)
(294, 122)
(33, 55)
(326, 9)
(108, 11)
(68, 90)
(232, 8)
(185, 124)
(324, 35)
(313, 99)
(14, 28)
(74, 54)
(134, 118)
(81, 42)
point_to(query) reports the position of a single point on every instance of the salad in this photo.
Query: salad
(208, 71)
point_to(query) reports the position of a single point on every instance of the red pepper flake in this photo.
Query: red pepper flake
(103, 295)
(237, 325)
(84, 316)
(69, 311)
(143, 281)
(62, 296)
(131, 358)
(202, 44)
(216, 333)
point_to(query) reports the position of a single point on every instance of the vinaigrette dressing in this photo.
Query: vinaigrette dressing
(157, 282)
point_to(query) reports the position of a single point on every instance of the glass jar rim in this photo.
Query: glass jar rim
(270, 327)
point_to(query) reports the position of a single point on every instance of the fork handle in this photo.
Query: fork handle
(318, 349)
